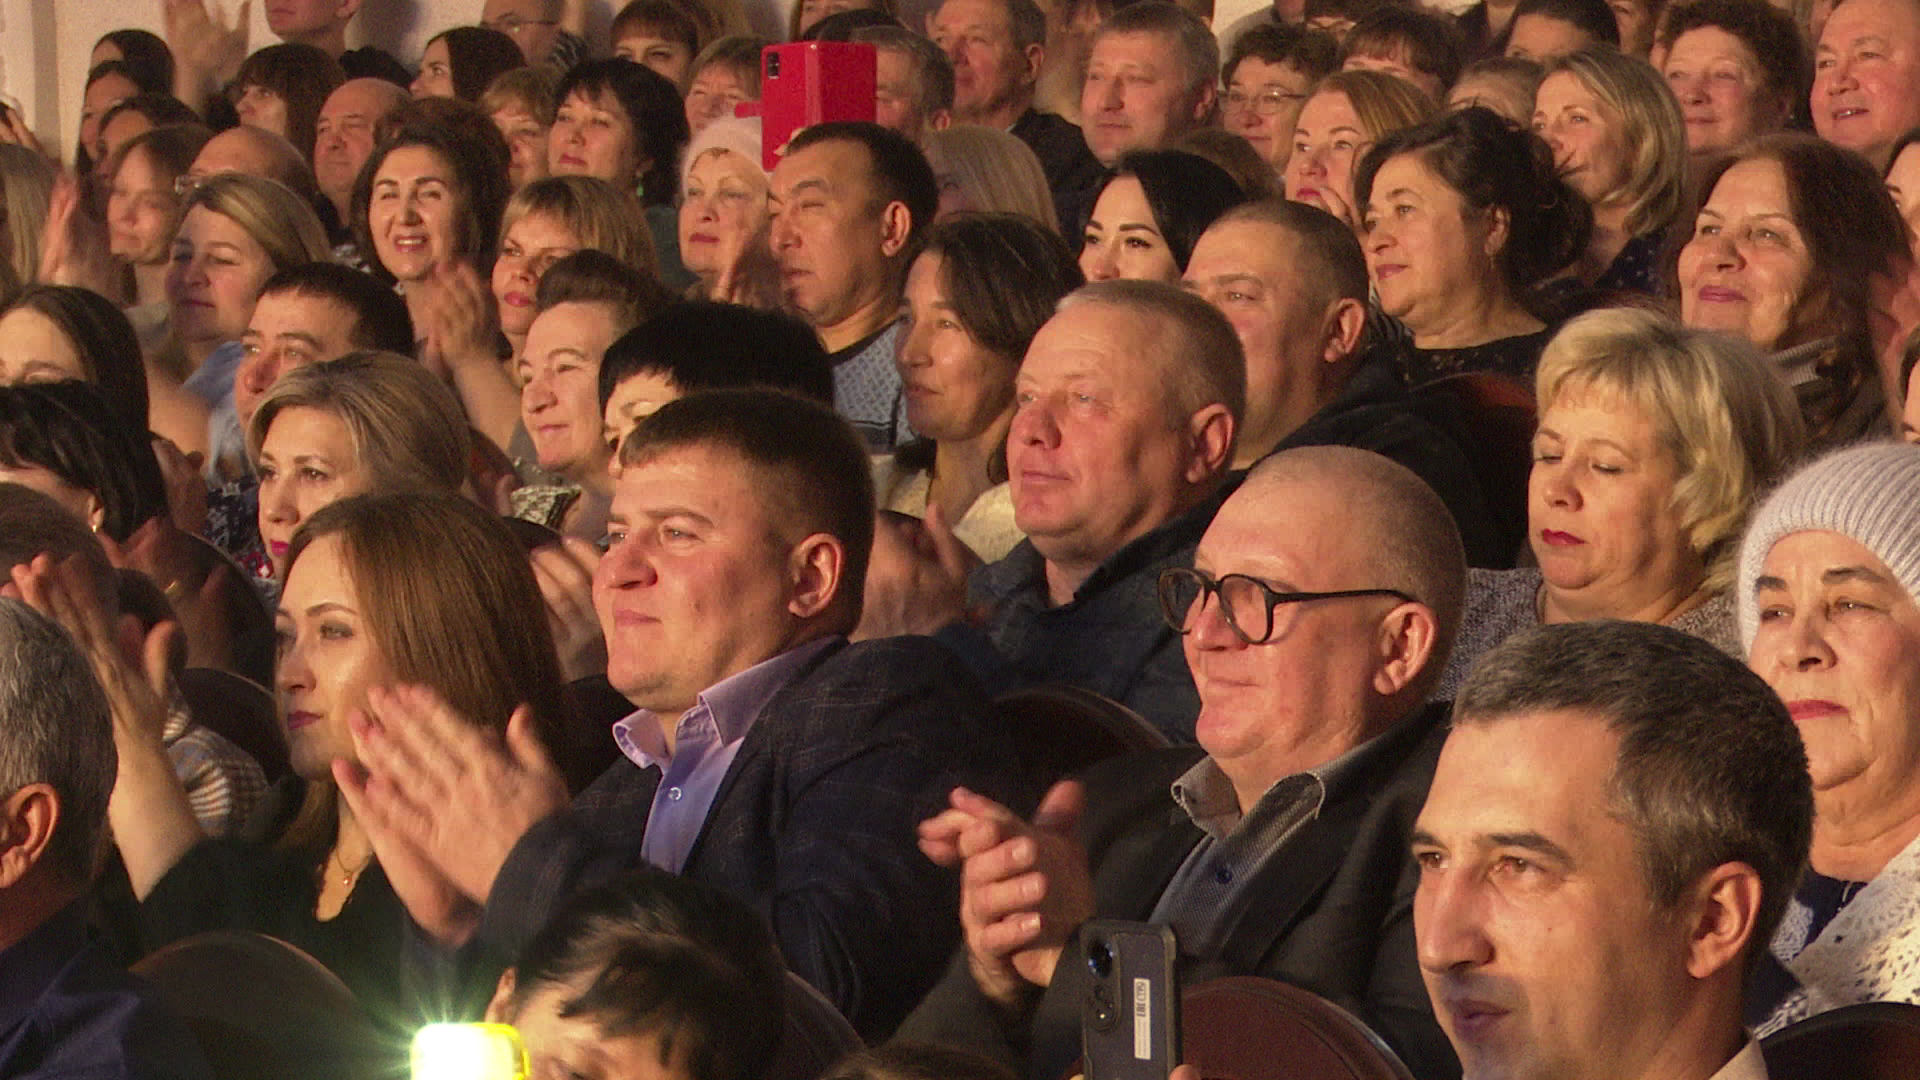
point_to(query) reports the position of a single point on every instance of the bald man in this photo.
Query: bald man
(1276, 848)
(343, 137)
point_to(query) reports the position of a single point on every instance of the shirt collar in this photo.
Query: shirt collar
(1208, 798)
(33, 962)
(732, 704)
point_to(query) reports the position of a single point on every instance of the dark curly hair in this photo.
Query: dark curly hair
(477, 156)
(1771, 33)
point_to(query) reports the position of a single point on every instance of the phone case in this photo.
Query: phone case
(811, 82)
(1130, 1013)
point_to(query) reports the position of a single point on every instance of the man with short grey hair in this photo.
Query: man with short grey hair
(1152, 75)
(1614, 829)
(913, 81)
(64, 1009)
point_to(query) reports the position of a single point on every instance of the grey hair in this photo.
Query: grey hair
(56, 729)
(1710, 768)
(932, 71)
(1199, 51)
(1199, 356)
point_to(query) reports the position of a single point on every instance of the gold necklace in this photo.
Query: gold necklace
(348, 876)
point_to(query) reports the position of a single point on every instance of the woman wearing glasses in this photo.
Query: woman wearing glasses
(1653, 445)
(1267, 76)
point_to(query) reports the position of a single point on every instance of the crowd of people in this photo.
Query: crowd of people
(483, 546)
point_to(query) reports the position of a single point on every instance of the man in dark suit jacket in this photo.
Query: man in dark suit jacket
(1322, 603)
(769, 757)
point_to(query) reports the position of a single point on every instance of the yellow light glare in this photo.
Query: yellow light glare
(468, 1052)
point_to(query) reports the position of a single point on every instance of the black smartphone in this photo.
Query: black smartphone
(1130, 1012)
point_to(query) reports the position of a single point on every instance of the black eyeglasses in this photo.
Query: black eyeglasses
(1249, 604)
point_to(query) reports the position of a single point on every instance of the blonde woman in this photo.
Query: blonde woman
(26, 185)
(1619, 139)
(550, 219)
(1345, 115)
(723, 216)
(1654, 444)
(989, 170)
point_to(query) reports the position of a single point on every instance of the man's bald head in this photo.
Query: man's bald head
(343, 136)
(244, 149)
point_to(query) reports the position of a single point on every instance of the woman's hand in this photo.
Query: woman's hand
(186, 490)
(454, 312)
(14, 129)
(73, 247)
(207, 50)
(565, 573)
(751, 276)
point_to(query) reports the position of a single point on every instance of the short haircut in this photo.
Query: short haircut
(1710, 768)
(1720, 407)
(898, 170)
(932, 71)
(598, 214)
(1310, 52)
(1028, 23)
(595, 277)
(529, 89)
(739, 54)
(663, 955)
(105, 340)
(1198, 51)
(664, 18)
(1522, 73)
(1428, 43)
(302, 75)
(407, 428)
(806, 463)
(1650, 125)
(380, 318)
(652, 104)
(898, 1060)
(1407, 538)
(996, 169)
(1004, 276)
(1775, 39)
(59, 732)
(1186, 193)
(1252, 173)
(68, 429)
(476, 156)
(701, 345)
(1198, 354)
(1591, 17)
(1494, 166)
(477, 55)
(280, 221)
(842, 25)
(1331, 262)
(1384, 103)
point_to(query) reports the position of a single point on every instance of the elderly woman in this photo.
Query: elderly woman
(1829, 573)
(1787, 241)
(987, 170)
(1619, 141)
(980, 289)
(1268, 75)
(1151, 212)
(1463, 214)
(1348, 113)
(1654, 442)
(725, 74)
(723, 216)
(520, 103)
(1739, 68)
(550, 219)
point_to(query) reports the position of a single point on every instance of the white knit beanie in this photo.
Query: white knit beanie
(739, 134)
(1869, 493)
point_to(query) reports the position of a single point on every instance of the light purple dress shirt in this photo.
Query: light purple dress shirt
(707, 737)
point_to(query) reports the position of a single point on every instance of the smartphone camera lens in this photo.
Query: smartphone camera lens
(1100, 959)
(773, 65)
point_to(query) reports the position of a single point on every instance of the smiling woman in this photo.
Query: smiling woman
(432, 194)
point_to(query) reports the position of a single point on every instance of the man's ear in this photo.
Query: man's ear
(1203, 102)
(1407, 638)
(346, 9)
(28, 818)
(1036, 57)
(500, 1009)
(1346, 324)
(1210, 434)
(941, 120)
(815, 568)
(1720, 912)
(896, 226)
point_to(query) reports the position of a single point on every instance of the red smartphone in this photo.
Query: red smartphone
(811, 82)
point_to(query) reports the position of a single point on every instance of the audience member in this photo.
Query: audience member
(70, 1011)
(1827, 584)
(1654, 444)
(463, 61)
(697, 346)
(53, 332)
(363, 423)
(626, 125)
(724, 219)
(343, 137)
(108, 85)
(26, 188)
(1616, 823)
(66, 441)
(913, 81)
(1544, 30)
(1154, 206)
(725, 74)
(1866, 76)
(1787, 240)
(1234, 155)
(550, 219)
(1903, 180)
(136, 115)
(1411, 43)
(1288, 833)
(521, 103)
(1505, 84)
(547, 32)
(657, 34)
(1267, 76)
(143, 51)
(1462, 215)
(1348, 112)
(898, 1060)
(805, 15)
(1292, 281)
(282, 89)
(1739, 68)
(980, 289)
(1620, 142)
(648, 975)
(258, 153)
(849, 201)
(1152, 74)
(739, 538)
(986, 170)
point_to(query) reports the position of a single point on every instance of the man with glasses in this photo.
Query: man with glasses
(1317, 615)
(537, 27)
